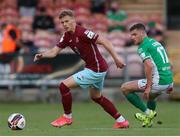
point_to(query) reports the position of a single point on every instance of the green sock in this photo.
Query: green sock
(136, 101)
(151, 105)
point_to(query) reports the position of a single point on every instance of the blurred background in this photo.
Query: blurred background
(31, 26)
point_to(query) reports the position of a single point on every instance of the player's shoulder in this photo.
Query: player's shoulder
(147, 42)
(85, 32)
(151, 41)
(83, 29)
(80, 30)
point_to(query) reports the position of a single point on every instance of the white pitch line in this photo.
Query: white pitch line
(140, 128)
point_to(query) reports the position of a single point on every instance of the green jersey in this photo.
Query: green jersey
(151, 49)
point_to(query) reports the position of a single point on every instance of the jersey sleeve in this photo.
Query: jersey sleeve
(144, 53)
(90, 36)
(62, 42)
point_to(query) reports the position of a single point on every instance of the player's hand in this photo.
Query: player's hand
(120, 63)
(38, 57)
(146, 93)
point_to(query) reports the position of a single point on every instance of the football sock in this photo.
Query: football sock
(66, 98)
(147, 111)
(68, 115)
(107, 106)
(136, 101)
(151, 105)
(120, 119)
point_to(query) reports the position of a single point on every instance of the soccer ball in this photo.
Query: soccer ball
(16, 121)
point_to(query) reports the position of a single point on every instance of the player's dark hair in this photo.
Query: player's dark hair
(66, 12)
(138, 26)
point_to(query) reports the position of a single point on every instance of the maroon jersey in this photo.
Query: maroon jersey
(82, 42)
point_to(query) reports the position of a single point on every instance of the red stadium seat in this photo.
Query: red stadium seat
(135, 66)
(25, 23)
(134, 63)
(43, 39)
(27, 36)
(113, 71)
(100, 22)
(117, 38)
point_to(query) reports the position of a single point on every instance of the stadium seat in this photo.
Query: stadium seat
(113, 71)
(27, 36)
(135, 66)
(43, 39)
(9, 4)
(25, 23)
(62, 4)
(46, 3)
(100, 22)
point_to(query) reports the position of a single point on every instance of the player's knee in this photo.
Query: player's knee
(124, 88)
(97, 99)
(95, 94)
(63, 88)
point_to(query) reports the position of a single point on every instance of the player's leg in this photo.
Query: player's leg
(104, 102)
(95, 94)
(151, 103)
(83, 79)
(66, 96)
(108, 106)
(155, 92)
(129, 89)
(64, 89)
(151, 113)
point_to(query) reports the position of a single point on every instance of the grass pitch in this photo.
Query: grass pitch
(89, 120)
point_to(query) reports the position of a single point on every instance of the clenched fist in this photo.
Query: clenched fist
(38, 56)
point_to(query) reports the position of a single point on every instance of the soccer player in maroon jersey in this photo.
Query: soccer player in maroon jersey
(84, 43)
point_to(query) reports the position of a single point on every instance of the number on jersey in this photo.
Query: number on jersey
(161, 51)
(163, 54)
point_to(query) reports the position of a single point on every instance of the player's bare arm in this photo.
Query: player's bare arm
(148, 71)
(48, 53)
(109, 47)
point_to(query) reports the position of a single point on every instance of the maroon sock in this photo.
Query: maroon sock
(66, 98)
(107, 106)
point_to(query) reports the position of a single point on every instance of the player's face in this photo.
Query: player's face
(137, 36)
(68, 23)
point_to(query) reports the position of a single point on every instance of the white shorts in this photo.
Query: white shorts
(156, 88)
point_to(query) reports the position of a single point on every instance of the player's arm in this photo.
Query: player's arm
(109, 47)
(148, 72)
(48, 53)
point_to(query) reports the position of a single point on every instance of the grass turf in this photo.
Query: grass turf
(89, 120)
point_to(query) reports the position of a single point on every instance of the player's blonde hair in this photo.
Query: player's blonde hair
(66, 12)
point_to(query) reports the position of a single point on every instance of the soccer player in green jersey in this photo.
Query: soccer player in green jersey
(159, 76)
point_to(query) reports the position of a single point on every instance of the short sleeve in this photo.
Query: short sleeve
(144, 53)
(90, 36)
(62, 42)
